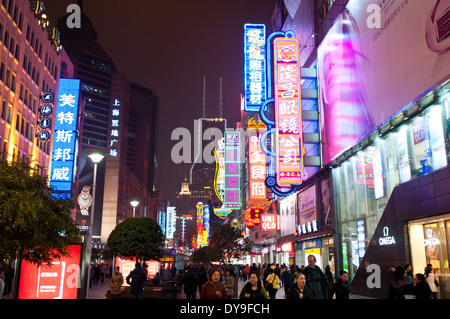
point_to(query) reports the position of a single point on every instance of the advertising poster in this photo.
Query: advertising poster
(307, 211)
(287, 215)
(60, 280)
(369, 72)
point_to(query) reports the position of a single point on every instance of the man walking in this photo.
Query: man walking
(136, 280)
(315, 279)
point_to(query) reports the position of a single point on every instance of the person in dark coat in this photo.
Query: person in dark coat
(190, 283)
(202, 277)
(341, 287)
(422, 289)
(288, 279)
(136, 280)
(253, 289)
(299, 290)
(402, 286)
(315, 279)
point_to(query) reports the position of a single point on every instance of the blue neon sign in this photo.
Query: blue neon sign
(254, 66)
(64, 137)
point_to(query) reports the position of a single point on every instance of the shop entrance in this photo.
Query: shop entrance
(429, 242)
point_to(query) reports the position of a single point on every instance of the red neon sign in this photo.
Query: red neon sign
(288, 112)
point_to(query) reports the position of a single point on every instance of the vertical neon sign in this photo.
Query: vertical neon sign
(232, 171)
(200, 208)
(64, 139)
(288, 114)
(257, 161)
(254, 66)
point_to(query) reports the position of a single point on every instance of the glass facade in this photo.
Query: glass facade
(365, 181)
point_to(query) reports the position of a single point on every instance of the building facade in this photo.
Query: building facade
(30, 67)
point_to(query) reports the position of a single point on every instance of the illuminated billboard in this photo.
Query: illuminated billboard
(59, 280)
(64, 140)
(232, 171)
(170, 220)
(362, 69)
(288, 112)
(127, 264)
(254, 66)
(200, 206)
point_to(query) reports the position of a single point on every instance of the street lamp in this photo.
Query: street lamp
(96, 155)
(134, 203)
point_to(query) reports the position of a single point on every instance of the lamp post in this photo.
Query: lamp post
(96, 155)
(134, 203)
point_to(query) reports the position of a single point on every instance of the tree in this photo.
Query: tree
(227, 241)
(137, 237)
(34, 225)
(205, 255)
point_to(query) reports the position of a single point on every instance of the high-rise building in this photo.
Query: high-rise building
(120, 118)
(29, 67)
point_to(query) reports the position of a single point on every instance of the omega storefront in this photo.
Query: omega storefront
(385, 128)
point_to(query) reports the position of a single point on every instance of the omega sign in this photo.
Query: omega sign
(386, 240)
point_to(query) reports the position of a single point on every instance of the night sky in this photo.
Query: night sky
(169, 46)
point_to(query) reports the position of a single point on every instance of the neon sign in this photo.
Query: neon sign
(170, 222)
(200, 208)
(288, 113)
(257, 162)
(232, 171)
(115, 132)
(254, 66)
(64, 139)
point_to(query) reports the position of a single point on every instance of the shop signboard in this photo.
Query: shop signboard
(64, 139)
(307, 211)
(288, 113)
(254, 66)
(287, 215)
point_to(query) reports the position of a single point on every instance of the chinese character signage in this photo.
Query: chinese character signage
(288, 113)
(63, 155)
(200, 208)
(254, 66)
(115, 129)
(257, 163)
(205, 239)
(232, 171)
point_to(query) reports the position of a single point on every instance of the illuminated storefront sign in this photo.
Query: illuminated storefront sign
(64, 139)
(200, 208)
(257, 163)
(126, 265)
(59, 280)
(115, 129)
(232, 171)
(386, 240)
(205, 239)
(170, 221)
(288, 113)
(254, 66)
(269, 222)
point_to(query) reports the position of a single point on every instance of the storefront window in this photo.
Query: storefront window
(429, 240)
(364, 182)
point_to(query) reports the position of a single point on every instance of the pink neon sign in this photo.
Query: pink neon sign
(288, 116)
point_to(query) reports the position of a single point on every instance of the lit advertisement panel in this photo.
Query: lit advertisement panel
(127, 264)
(363, 68)
(64, 139)
(205, 239)
(288, 113)
(56, 281)
(254, 66)
(232, 171)
(169, 222)
(269, 222)
(200, 208)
